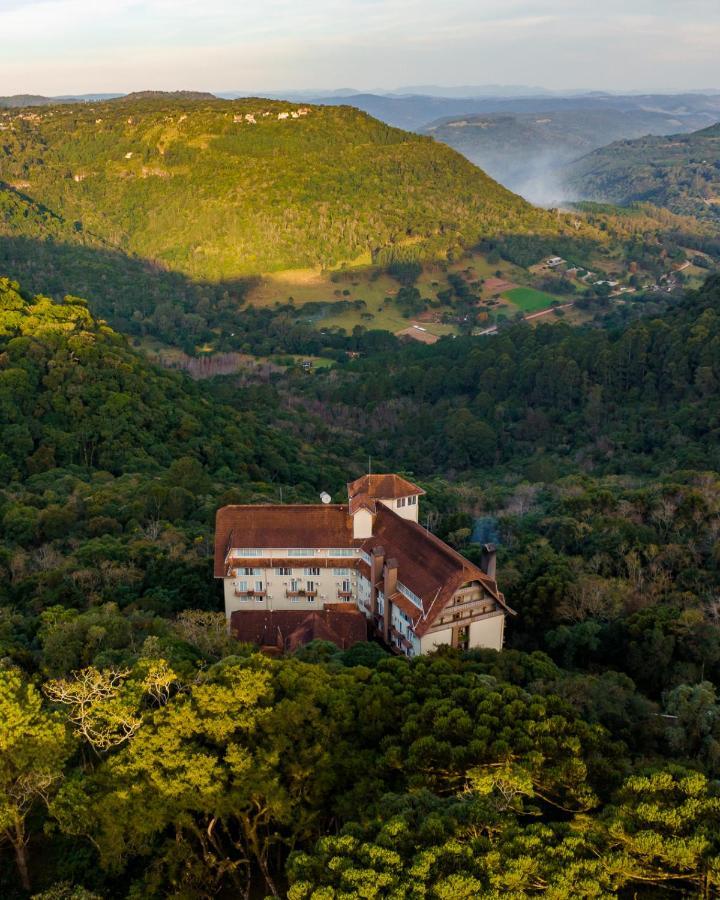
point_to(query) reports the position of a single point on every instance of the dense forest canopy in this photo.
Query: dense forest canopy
(613, 400)
(145, 754)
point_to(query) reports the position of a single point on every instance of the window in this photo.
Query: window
(302, 551)
(248, 551)
(258, 585)
(345, 586)
(341, 573)
(412, 501)
(401, 502)
(310, 585)
(312, 570)
(342, 551)
(252, 572)
(283, 571)
(295, 584)
(242, 585)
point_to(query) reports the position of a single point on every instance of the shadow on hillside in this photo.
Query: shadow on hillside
(136, 296)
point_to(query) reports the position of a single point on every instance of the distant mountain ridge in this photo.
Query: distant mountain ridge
(680, 172)
(415, 111)
(525, 151)
(167, 95)
(17, 101)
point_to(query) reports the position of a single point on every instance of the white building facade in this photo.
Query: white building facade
(415, 591)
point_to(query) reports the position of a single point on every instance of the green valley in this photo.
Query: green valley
(527, 151)
(264, 227)
(359, 450)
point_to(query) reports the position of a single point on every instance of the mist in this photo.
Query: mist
(539, 178)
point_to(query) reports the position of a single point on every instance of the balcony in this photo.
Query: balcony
(345, 595)
(301, 595)
(250, 594)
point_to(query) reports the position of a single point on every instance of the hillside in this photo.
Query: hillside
(73, 394)
(680, 172)
(634, 401)
(219, 189)
(524, 151)
(163, 212)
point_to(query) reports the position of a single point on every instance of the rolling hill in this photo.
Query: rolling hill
(73, 392)
(161, 210)
(217, 189)
(526, 150)
(680, 172)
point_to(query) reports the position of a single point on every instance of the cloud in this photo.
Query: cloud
(59, 46)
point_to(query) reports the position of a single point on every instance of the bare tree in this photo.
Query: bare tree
(102, 712)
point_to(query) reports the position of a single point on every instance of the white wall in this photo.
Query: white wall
(430, 642)
(403, 508)
(327, 584)
(488, 632)
(362, 524)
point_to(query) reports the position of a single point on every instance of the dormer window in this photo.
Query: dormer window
(401, 502)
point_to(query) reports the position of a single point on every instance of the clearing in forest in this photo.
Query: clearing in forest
(529, 299)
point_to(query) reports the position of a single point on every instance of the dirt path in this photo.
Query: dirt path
(543, 312)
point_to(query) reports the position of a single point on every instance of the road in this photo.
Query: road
(543, 312)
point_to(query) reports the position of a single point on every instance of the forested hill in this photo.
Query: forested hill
(550, 398)
(679, 171)
(110, 464)
(74, 395)
(219, 189)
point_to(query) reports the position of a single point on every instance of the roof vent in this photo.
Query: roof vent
(325, 497)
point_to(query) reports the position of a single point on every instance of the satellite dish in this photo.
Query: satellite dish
(325, 497)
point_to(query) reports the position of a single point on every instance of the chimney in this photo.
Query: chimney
(488, 560)
(390, 573)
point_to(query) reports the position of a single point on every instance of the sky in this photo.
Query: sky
(57, 47)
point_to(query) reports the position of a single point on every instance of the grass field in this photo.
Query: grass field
(363, 283)
(528, 299)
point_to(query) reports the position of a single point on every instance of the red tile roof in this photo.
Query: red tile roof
(426, 565)
(278, 526)
(362, 501)
(289, 629)
(383, 487)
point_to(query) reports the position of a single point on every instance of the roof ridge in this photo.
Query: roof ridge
(445, 548)
(282, 506)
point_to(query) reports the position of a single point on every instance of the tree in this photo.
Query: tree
(664, 829)
(34, 747)
(103, 706)
(694, 729)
